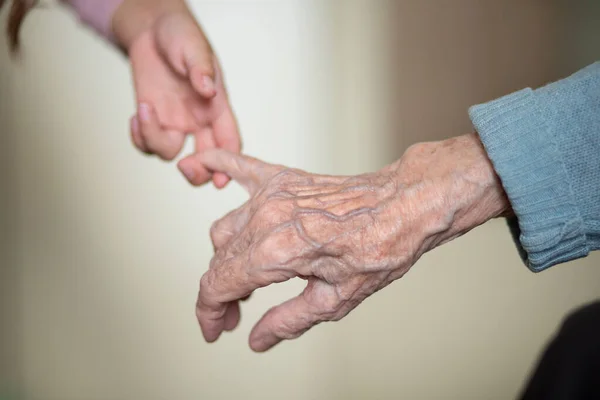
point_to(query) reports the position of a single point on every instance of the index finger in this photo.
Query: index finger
(226, 281)
(249, 172)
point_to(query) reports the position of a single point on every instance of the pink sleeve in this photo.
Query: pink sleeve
(97, 14)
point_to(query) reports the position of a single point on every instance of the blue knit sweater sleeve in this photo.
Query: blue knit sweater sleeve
(545, 146)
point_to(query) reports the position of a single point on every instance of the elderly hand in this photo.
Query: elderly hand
(178, 83)
(347, 236)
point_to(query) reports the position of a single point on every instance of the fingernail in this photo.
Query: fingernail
(208, 83)
(144, 112)
(188, 172)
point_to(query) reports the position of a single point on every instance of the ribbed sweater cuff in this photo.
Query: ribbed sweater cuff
(524, 154)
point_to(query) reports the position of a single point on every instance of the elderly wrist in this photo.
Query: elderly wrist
(451, 187)
(475, 190)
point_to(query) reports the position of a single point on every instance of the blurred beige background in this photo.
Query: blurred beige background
(102, 249)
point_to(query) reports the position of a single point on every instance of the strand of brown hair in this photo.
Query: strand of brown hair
(16, 15)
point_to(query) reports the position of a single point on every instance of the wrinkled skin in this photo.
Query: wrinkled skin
(347, 236)
(180, 90)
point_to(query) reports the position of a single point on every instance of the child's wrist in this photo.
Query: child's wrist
(132, 17)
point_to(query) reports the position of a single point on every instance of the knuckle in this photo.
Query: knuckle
(285, 176)
(293, 328)
(329, 308)
(329, 312)
(206, 283)
(336, 317)
(242, 246)
(206, 314)
(264, 252)
(275, 210)
(281, 248)
(264, 213)
(288, 333)
(216, 235)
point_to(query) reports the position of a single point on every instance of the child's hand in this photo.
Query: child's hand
(180, 90)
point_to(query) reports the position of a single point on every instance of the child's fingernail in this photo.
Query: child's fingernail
(144, 111)
(208, 83)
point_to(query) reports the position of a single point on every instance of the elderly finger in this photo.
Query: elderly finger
(232, 316)
(227, 227)
(317, 303)
(195, 172)
(229, 280)
(249, 172)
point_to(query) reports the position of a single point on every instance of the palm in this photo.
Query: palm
(163, 83)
